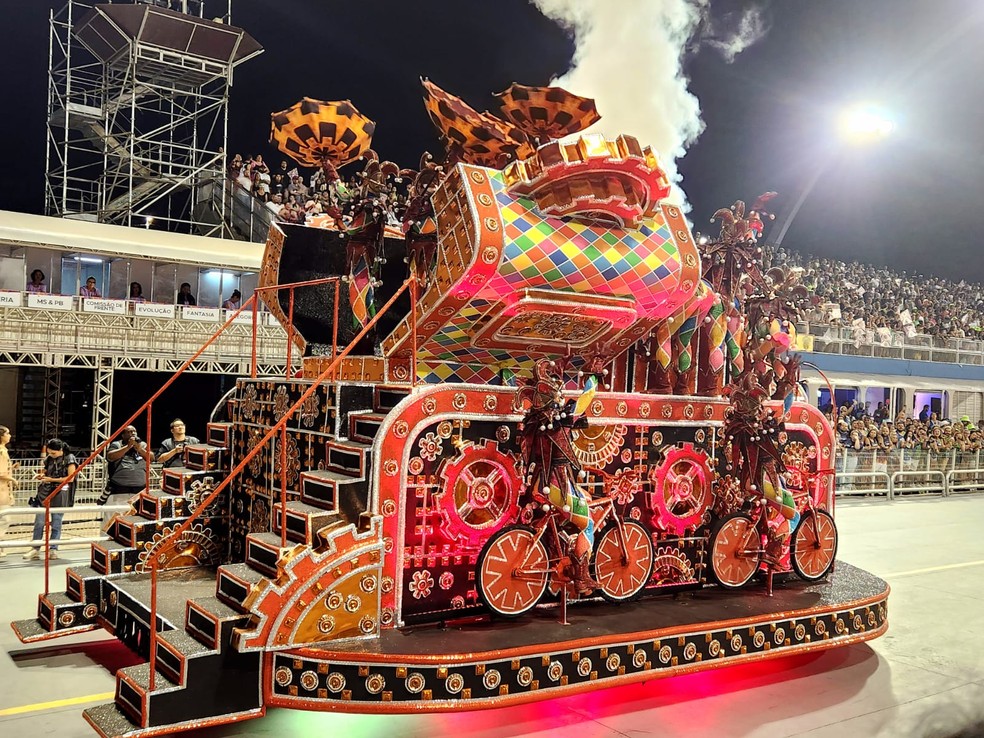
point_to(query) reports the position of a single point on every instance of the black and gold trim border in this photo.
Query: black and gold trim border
(417, 683)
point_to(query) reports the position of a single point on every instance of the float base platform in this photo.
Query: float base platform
(492, 664)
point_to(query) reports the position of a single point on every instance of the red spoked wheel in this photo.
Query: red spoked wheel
(620, 571)
(814, 545)
(513, 569)
(735, 551)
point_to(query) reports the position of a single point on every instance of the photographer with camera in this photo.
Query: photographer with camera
(59, 465)
(128, 459)
(170, 452)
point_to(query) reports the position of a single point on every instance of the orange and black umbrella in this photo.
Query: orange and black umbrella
(480, 138)
(321, 134)
(547, 113)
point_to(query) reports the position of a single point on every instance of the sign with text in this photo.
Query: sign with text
(50, 302)
(199, 313)
(99, 305)
(11, 299)
(153, 310)
(246, 316)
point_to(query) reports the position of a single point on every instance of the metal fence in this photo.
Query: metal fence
(835, 339)
(908, 471)
(81, 525)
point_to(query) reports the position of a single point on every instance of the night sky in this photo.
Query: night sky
(913, 201)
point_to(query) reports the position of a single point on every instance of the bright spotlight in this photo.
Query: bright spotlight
(865, 124)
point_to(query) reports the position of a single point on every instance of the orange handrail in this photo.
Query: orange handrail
(279, 427)
(252, 304)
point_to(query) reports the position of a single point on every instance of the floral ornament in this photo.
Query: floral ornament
(280, 402)
(309, 411)
(248, 404)
(256, 463)
(293, 460)
(431, 446)
(729, 496)
(421, 584)
(624, 485)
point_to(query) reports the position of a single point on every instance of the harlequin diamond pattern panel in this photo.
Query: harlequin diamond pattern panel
(641, 264)
(584, 258)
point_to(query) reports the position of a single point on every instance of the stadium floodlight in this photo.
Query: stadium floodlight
(862, 123)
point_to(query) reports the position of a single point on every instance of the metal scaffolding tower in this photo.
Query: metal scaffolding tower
(138, 106)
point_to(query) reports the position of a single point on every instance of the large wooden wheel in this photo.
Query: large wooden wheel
(513, 569)
(735, 551)
(623, 570)
(814, 545)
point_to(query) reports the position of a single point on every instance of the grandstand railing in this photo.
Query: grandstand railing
(837, 339)
(79, 333)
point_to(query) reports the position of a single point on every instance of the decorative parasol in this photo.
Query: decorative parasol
(322, 134)
(480, 138)
(547, 113)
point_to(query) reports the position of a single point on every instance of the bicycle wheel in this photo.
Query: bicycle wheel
(621, 575)
(732, 563)
(513, 571)
(814, 545)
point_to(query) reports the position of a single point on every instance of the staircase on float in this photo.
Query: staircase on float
(201, 679)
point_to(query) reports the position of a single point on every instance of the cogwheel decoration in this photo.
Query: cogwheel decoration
(293, 460)
(480, 492)
(672, 566)
(199, 490)
(728, 496)
(194, 547)
(623, 485)
(597, 445)
(681, 488)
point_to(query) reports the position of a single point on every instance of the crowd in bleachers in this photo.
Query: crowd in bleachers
(282, 189)
(860, 428)
(863, 296)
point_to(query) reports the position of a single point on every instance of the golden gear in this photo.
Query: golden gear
(681, 488)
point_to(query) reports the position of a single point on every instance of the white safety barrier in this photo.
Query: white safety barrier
(863, 483)
(962, 481)
(925, 481)
(27, 516)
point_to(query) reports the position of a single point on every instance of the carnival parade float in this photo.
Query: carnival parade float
(531, 406)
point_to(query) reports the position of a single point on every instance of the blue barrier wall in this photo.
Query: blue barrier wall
(895, 367)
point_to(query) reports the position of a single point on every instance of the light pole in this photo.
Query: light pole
(857, 125)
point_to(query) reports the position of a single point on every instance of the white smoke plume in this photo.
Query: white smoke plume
(629, 57)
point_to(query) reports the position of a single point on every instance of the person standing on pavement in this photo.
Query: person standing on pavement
(7, 482)
(53, 491)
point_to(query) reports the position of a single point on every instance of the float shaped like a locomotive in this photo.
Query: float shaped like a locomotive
(412, 495)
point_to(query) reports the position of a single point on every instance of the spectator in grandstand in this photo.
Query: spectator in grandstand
(59, 465)
(90, 289)
(236, 167)
(233, 302)
(280, 180)
(170, 452)
(184, 295)
(37, 282)
(128, 459)
(297, 188)
(136, 293)
(881, 413)
(924, 413)
(7, 482)
(276, 203)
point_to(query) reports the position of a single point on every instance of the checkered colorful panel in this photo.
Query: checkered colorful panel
(550, 253)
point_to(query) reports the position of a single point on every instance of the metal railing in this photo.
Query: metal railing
(876, 472)
(838, 339)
